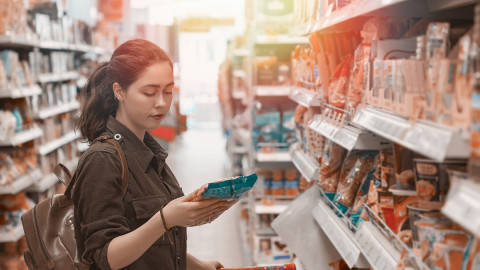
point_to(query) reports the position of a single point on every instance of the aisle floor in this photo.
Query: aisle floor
(196, 157)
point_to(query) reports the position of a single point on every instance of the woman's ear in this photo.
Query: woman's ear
(117, 91)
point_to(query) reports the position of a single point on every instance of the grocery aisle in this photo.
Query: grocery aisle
(196, 157)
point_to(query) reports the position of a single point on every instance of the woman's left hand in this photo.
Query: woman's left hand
(211, 265)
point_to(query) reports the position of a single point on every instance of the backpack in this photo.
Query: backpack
(49, 226)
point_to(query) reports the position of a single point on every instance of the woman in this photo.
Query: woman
(145, 229)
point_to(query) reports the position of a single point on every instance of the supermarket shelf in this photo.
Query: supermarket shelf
(21, 92)
(376, 248)
(16, 42)
(243, 233)
(278, 208)
(22, 182)
(463, 205)
(269, 91)
(13, 235)
(309, 168)
(55, 110)
(53, 145)
(53, 45)
(58, 77)
(23, 137)
(276, 160)
(50, 180)
(429, 139)
(348, 137)
(280, 39)
(305, 97)
(302, 30)
(340, 235)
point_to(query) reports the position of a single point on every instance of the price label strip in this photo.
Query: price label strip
(375, 253)
(463, 205)
(336, 231)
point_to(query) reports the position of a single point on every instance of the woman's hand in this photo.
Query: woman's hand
(184, 211)
(210, 265)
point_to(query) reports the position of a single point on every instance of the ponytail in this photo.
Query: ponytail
(128, 61)
(98, 103)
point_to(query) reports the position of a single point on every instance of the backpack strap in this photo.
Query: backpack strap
(104, 138)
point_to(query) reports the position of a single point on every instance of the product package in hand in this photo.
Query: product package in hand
(226, 189)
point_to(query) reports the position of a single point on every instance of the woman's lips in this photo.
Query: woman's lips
(158, 116)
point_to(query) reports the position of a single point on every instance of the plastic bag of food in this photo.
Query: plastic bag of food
(332, 159)
(356, 88)
(230, 188)
(348, 186)
(337, 95)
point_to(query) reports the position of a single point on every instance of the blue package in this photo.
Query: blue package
(233, 188)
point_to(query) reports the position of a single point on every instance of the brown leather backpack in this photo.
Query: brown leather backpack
(49, 226)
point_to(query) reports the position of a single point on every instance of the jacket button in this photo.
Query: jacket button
(178, 258)
(176, 231)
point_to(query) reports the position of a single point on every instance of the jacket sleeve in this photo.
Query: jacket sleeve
(99, 205)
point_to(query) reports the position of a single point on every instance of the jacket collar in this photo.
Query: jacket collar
(142, 152)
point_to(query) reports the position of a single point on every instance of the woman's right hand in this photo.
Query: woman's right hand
(187, 212)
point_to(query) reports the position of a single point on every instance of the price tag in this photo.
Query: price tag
(336, 231)
(374, 252)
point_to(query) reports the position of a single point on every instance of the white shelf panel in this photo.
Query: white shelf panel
(54, 45)
(353, 10)
(280, 39)
(52, 111)
(21, 92)
(278, 156)
(348, 137)
(23, 137)
(55, 144)
(341, 237)
(463, 205)
(305, 97)
(269, 91)
(270, 209)
(309, 168)
(58, 77)
(13, 235)
(21, 183)
(50, 180)
(17, 41)
(378, 251)
(429, 139)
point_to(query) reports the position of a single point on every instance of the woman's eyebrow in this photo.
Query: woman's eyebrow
(157, 85)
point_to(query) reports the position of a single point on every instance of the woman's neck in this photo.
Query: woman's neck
(139, 132)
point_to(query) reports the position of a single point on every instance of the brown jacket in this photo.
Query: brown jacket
(101, 213)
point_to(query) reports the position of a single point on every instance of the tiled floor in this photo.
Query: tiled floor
(197, 157)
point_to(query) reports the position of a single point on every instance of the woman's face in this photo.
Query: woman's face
(146, 102)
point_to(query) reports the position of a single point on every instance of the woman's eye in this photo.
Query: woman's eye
(149, 94)
(168, 93)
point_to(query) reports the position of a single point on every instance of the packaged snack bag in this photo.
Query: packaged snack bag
(432, 179)
(337, 95)
(405, 177)
(231, 188)
(348, 185)
(332, 159)
(356, 88)
(361, 197)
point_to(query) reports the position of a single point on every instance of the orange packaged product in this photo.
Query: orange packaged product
(332, 160)
(322, 63)
(337, 95)
(356, 87)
